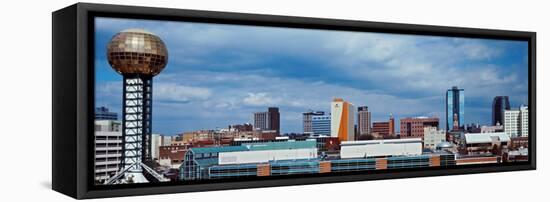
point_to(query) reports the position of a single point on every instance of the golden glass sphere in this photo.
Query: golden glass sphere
(136, 51)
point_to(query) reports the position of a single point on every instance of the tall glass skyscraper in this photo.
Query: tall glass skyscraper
(500, 104)
(455, 105)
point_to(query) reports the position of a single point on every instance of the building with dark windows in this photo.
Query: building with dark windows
(307, 119)
(103, 113)
(414, 127)
(363, 120)
(500, 104)
(274, 119)
(455, 105)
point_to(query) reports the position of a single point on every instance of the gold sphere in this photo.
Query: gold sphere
(136, 51)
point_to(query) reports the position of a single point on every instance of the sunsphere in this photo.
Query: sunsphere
(136, 51)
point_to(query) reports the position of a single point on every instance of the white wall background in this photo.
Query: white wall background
(25, 146)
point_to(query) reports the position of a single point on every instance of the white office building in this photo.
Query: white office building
(432, 137)
(156, 142)
(261, 120)
(108, 148)
(516, 122)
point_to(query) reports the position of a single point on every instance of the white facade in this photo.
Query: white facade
(261, 120)
(376, 148)
(516, 122)
(342, 123)
(156, 142)
(108, 148)
(432, 137)
(264, 156)
(484, 138)
(166, 140)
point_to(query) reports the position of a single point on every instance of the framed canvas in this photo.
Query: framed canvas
(157, 100)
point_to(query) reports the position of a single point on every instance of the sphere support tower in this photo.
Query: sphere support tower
(137, 112)
(137, 55)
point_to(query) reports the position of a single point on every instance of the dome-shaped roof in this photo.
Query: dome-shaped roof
(137, 51)
(443, 145)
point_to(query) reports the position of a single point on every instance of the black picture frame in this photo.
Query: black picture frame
(73, 96)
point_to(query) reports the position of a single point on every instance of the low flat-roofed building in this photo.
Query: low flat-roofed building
(270, 151)
(376, 148)
(198, 161)
(485, 142)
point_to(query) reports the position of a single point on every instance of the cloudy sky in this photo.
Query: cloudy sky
(220, 74)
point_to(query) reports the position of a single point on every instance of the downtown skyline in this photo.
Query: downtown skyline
(219, 75)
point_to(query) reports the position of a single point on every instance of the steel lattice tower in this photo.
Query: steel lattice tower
(138, 56)
(137, 105)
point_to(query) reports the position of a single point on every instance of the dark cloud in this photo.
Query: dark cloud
(220, 74)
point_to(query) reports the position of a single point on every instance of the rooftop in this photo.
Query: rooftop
(256, 146)
(387, 141)
(475, 138)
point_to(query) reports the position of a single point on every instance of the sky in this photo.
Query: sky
(219, 74)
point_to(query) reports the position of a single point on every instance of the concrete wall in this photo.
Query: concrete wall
(373, 150)
(264, 156)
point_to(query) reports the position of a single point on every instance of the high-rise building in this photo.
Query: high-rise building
(307, 118)
(432, 137)
(414, 127)
(320, 125)
(108, 149)
(156, 142)
(274, 119)
(269, 120)
(342, 120)
(516, 122)
(103, 113)
(261, 121)
(455, 105)
(500, 104)
(363, 120)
